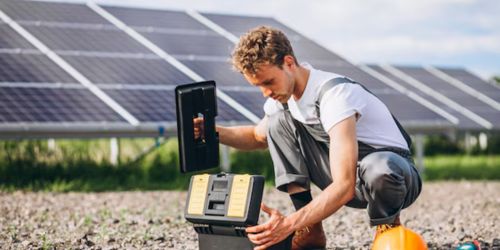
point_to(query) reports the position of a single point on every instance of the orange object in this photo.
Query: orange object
(399, 238)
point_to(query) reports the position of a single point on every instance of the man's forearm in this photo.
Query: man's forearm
(328, 202)
(343, 161)
(241, 137)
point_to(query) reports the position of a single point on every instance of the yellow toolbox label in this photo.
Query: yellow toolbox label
(238, 196)
(198, 194)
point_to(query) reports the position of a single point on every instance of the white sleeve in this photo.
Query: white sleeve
(341, 102)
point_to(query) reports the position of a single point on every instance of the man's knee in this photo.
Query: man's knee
(382, 170)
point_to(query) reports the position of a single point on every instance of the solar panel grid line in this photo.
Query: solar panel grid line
(160, 52)
(102, 54)
(20, 51)
(213, 26)
(65, 25)
(136, 86)
(438, 96)
(203, 58)
(70, 70)
(464, 87)
(45, 85)
(174, 31)
(454, 120)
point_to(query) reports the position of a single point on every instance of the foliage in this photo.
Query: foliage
(496, 79)
(456, 167)
(83, 165)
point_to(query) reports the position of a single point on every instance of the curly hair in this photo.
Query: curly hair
(261, 45)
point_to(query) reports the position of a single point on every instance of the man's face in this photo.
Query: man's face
(273, 82)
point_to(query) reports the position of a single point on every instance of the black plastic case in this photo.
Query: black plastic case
(197, 100)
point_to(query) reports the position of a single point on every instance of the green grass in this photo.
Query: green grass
(457, 167)
(83, 165)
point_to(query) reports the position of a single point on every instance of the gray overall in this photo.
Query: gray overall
(387, 180)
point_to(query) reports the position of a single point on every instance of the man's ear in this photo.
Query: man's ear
(289, 61)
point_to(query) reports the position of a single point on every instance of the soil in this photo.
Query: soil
(445, 214)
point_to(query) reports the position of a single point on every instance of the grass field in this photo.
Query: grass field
(83, 165)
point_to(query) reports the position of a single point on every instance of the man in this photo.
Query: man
(323, 128)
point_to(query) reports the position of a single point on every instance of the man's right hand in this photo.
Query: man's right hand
(199, 130)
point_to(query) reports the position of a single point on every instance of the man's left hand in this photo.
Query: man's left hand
(276, 229)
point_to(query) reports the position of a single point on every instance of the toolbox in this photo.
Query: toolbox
(220, 206)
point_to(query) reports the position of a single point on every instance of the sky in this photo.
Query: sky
(446, 33)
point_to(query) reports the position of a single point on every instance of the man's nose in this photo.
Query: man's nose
(265, 91)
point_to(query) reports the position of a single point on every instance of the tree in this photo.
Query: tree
(495, 80)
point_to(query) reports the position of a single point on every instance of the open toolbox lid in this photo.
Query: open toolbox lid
(192, 101)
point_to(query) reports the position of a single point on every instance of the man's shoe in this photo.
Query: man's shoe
(310, 237)
(384, 227)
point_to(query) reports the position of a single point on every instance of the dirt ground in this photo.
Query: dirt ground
(445, 214)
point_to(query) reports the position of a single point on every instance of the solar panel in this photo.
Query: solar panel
(358, 75)
(53, 105)
(107, 56)
(211, 45)
(406, 109)
(251, 98)
(139, 80)
(321, 58)
(84, 39)
(464, 121)
(221, 72)
(32, 67)
(398, 103)
(464, 99)
(474, 82)
(239, 25)
(159, 105)
(11, 39)
(104, 70)
(50, 12)
(304, 48)
(155, 18)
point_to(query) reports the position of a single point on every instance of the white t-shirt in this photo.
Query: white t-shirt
(375, 125)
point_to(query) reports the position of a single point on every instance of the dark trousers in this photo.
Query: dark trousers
(386, 182)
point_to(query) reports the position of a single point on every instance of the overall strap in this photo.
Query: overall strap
(340, 80)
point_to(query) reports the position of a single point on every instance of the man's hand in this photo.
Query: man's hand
(276, 229)
(199, 130)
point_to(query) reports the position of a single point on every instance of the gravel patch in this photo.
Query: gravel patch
(445, 214)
